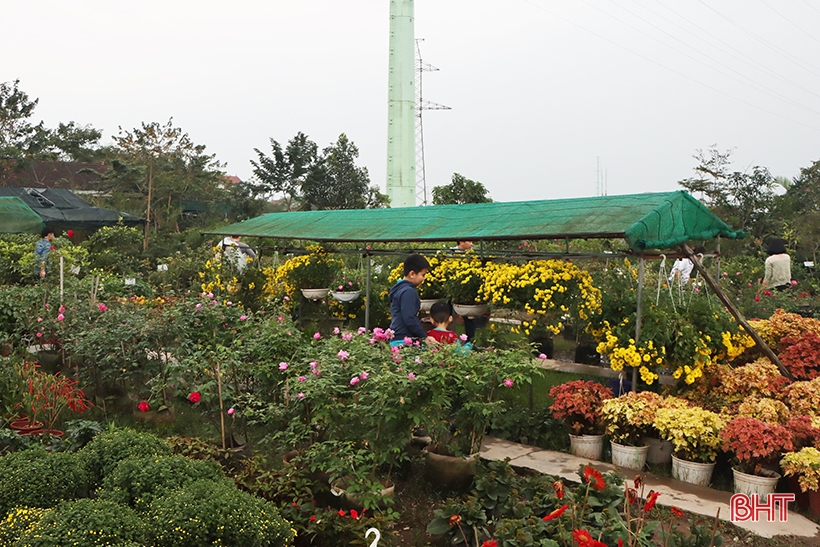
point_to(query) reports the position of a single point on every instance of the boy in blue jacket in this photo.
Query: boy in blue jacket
(405, 303)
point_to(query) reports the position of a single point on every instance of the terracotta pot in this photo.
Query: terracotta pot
(793, 485)
(23, 425)
(52, 432)
(814, 502)
(339, 489)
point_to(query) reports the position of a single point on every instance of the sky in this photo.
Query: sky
(541, 92)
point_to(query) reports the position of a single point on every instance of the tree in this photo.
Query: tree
(742, 199)
(460, 190)
(799, 209)
(19, 139)
(284, 172)
(161, 164)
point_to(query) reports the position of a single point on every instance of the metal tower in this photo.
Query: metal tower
(422, 105)
(401, 142)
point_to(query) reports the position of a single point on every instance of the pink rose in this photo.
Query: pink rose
(354, 380)
(243, 317)
(60, 317)
(411, 376)
(508, 382)
(231, 411)
(316, 336)
(300, 395)
(283, 366)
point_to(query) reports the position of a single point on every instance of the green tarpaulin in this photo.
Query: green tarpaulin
(63, 209)
(18, 218)
(645, 221)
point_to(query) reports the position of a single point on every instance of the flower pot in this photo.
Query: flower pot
(801, 499)
(629, 457)
(660, 451)
(525, 316)
(692, 472)
(470, 311)
(755, 484)
(315, 294)
(50, 361)
(52, 432)
(427, 303)
(24, 426)
(814, 502)
(590, 447)
(444, 469)
(345, 296)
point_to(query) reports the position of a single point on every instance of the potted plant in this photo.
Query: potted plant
(660, 450)
(805, 465)
(462, 279)
(346, 287)
(755, 444)
(695, 437)
(628, 419)
(311, 273)
(578, 404)
(46, 396)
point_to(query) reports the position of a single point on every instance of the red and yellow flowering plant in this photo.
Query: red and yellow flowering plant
(629, 418)
(578, 404)
(805, 464)
(46, 396)
(755, 443)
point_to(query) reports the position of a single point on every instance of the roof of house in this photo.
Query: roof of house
(60, 208)
(644, 221)
(74, 175)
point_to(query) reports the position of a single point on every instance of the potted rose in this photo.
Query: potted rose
(578, 404)
(695, 437)
(755, 444)
(805, 465)
(628, 419)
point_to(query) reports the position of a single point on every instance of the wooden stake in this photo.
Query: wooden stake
(221, 404)
(767, 351)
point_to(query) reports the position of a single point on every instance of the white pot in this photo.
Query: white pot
(692, 472)
(660, 451)
(590, 447)
(427, 303)
(629, 457)
(345, 296)
(755, 484)
(315, 294)
(470, 311)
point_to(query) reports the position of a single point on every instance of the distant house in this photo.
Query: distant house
(79, 177)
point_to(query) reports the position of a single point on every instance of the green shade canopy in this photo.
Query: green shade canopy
(17, 218)
(645, 221)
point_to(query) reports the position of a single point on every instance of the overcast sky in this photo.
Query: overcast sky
(538, 88)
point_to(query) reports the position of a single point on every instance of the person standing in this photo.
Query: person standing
(405, 303)
(236, 252)
(41, 251)
(778, 266)
(469, 323)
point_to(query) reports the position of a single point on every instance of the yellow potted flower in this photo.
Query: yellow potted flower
(805, 465)
(628, 419)
(695, 437)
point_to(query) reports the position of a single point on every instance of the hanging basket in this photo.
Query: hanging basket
(470, 311)
(345, 296)
(315, 294)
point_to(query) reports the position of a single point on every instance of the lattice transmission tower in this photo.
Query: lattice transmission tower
(422, 105)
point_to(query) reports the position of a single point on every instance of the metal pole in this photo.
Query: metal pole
(638, 312)
(367, 296)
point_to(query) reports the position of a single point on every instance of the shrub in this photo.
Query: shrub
(801, 355)
(85, 522)
(106, 450)
(137, 481)
(755, 443)
(210, 513)
(40, 479)
(19, 521)
(578, 404)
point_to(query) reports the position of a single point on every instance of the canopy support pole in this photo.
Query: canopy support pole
(764, 348)
(367, 295)
(638, 313)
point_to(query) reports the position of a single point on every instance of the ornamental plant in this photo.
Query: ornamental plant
(578, 404)
(693, 432)
(760, 378)
(102, 455)
(755, 443)
(462, 278)
(803, 397)
(805, 464)
(801, 355)
(347, 282)
(764, 409)
(314, 270)
(19, 521)
(87, 522)
(630, 417)
(46, 396)
(432, 288)
(803, 430)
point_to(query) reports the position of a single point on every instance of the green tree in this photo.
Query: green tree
(334, 181)
(285, 171)
(460, 190)
(160, 164)
(19, 138)
(799, 210)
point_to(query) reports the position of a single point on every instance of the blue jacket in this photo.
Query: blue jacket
(404, 307)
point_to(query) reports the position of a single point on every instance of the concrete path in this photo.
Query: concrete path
(695, 499)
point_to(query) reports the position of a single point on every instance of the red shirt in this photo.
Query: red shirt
(443, 336)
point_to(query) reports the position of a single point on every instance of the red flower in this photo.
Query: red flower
(631, 495)
(638, 481)
(313, 518)
(555, 514)
(620, 542)
(194, 397)
(582, 538)
(454, 520)
(143, 406)
(677, 512)
(70, 234)
(650, 501)
(594, 477)
(341, 513)
(490, 543)
(354, 514)
(558, 486)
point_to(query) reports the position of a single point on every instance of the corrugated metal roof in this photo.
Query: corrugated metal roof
(645, 221)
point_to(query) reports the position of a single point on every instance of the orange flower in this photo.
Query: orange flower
(555, 514)
(650, 501)
(593, 476)
(455, 520)
(558, 486)
(676, 511)
(490, 543)
(582, 538)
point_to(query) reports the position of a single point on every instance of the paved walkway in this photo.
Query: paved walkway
(695, 499)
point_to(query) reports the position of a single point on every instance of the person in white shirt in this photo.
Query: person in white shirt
(237, 253)
(682, 268)
(778, 266)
